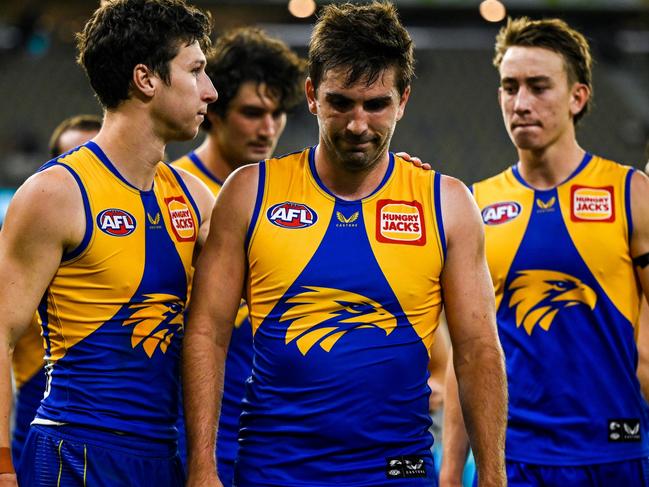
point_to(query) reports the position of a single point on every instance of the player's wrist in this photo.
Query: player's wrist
(6, 464)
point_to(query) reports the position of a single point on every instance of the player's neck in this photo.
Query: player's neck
(212, 158)
(345, 184)
(551, 166)
(132, 148)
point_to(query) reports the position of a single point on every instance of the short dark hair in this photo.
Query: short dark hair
(363, 39)
(84, 123)
(124, 33)
(249, 54)
(555, 35)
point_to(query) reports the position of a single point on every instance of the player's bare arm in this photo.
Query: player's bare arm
(219, 281)
(456, 442)
(204, 200)
(640, 255)
(643, 349)
(470, 312)
(44, 219)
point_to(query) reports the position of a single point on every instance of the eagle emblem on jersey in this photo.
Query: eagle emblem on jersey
(155, 322)
(538, 295)
(322, 315)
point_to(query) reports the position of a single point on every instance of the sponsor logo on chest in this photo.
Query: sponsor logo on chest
(291, 215)
(182, 221)
(400, 222)
(588, 204)
(116, 222)
(499, 213)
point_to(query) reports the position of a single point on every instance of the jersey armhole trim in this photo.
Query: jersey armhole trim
(182, 184)
(438, 211)
(76, 252)
(627, 202)
(261, 184)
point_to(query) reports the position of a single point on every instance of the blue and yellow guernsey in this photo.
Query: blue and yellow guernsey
(112, 315)
(344, 299)
(239, 359)
(567, 304)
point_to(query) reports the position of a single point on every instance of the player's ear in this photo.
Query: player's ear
(403, 100)
(310, 91)
(579, 95)
(144, 81)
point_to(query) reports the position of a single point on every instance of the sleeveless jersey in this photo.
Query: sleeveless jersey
(567, 303)
(344, 299)
(239, 359)
(112, 315)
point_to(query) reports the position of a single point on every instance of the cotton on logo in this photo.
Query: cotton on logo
(499, 213)
(116, 222)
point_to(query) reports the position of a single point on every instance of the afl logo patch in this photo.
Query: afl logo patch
(116, 222)
(400, 222)
(291, 215)
(500, 213)
(182, 221)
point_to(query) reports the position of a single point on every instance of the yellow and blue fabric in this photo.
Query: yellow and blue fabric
(112, 315)
(193, 164)
(29, 378)
(238, 361)
(344, 300)
(100, 459)
(567, 305)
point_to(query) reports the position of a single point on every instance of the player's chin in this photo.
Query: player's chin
(186, 133)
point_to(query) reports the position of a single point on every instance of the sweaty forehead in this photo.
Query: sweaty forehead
(521, 62)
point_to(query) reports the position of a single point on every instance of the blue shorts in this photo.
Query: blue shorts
(627, 473)
(68, 456)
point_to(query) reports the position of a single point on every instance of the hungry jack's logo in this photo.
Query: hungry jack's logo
(589, 204)
(182, 221)
(400, 222)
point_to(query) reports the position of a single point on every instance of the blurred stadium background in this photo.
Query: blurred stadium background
(452, 120)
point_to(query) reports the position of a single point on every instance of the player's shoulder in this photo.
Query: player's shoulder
(502, 178)
(289, 161)
(50, 200)
(184, 163)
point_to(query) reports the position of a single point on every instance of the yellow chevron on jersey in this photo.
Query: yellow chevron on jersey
(410, 256)
(192, 164)
(505, 221)
(602, 234)
(28, 354)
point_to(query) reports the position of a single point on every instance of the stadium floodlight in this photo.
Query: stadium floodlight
(302, 8)
(492, 10)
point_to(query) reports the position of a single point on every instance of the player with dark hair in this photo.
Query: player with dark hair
(344, 251)
(101, 240)
(27, 361)
(567, 237)
(72, 132)
(259, 79)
